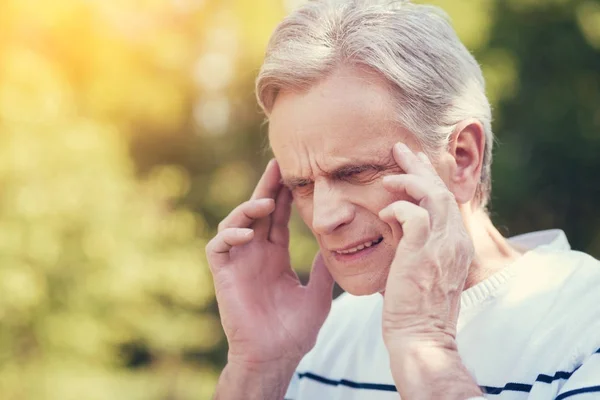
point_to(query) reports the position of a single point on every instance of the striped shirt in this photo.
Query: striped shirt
(531, 331)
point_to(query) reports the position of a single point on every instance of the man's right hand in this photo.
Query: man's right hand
(270, 319)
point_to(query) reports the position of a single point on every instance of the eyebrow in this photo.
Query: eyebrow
(338, 173)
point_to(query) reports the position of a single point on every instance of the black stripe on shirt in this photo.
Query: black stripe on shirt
(557, 376)
(589, 389)
(344, 382)
(523, 387)
(510, 386)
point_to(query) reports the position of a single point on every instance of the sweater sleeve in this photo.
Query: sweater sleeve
(584, 383)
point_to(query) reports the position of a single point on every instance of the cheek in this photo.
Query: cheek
(304, 206)
(373, 197)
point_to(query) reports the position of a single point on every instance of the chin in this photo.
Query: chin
(361, 285)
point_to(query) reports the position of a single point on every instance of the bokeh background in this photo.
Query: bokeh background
(129, 128)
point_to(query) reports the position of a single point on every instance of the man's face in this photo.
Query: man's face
(334, 145)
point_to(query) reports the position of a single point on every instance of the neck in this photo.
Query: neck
(492, 251)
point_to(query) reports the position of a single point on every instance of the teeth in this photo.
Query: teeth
(359, 247)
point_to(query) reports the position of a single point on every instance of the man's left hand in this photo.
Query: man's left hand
(425, 282)
(428, 273)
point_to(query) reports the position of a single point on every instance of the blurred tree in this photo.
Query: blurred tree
(104, 290)
(547, 165)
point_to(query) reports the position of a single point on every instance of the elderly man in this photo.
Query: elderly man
(381, 133)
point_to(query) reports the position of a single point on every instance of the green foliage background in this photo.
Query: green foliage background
(128, 129)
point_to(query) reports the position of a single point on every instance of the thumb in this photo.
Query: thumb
(320, 282)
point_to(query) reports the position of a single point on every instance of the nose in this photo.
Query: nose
(330, 209)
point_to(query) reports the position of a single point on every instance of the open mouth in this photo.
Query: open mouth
(360, 247)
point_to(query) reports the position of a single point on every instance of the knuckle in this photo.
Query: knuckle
(208, 249)
(422, 213)
(400, 210)
(422, 216)
(396, 206)
(397, 181)
(224, 234)
(393, 209)
(246, 204)
(428, 201)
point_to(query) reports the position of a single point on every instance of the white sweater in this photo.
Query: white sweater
(531, 331)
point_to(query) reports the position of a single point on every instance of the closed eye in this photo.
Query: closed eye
(361, 172)
(300, 187)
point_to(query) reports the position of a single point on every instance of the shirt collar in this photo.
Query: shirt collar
(552, 238)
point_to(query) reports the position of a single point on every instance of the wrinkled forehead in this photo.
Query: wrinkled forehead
(346, 117)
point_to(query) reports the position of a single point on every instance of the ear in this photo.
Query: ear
(466, 146)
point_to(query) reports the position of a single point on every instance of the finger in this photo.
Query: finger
(267, 187)
(425, 160)
(280, 232)
(414, 220)
(320, 282)
(269, 183)
(418, 164)
(407, 159)
(217, 250)
(426, 193)
(244, 215)
(431, 171)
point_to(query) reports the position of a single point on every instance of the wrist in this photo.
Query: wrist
(414, 341)
(428, 369)
(254, 381)
(266, 368)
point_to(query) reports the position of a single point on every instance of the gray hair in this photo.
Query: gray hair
(435, 80)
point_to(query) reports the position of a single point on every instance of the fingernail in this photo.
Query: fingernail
(245, 232)
(264, 201)
(401, 147)
(383, 213)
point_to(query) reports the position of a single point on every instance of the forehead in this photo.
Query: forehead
(347, 117)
